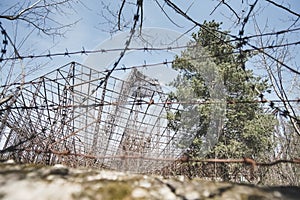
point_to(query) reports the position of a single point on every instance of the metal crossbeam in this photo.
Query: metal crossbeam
(71, 116)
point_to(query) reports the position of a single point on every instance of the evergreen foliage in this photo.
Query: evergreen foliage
(212, 70)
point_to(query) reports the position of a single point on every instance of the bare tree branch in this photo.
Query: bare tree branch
(277, 83)
(166, 14)
(120, 13)
(38, 15)
(228, 6)
(284, 8)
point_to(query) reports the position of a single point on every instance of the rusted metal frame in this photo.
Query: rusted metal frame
(28, 111)
(98, 121)
(111, 119)
(87, 112)
(37, 117)
(125, 90)
(157, 119)
(71, 90)
(8, 138)
(65, 100)
(145, 113)
(167, 144)
(166, 129)
(127, 125)
(3, 123)
(11, 114)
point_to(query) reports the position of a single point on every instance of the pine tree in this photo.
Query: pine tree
(212, 69)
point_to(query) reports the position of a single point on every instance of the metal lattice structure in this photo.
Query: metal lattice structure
(82, 117)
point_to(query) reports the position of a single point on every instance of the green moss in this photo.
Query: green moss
(108, 190)
(34, 166)
(115, 191)
(252, 197)
(2, 195)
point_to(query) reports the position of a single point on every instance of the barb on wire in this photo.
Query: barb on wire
(237, 38)
(169, 48)
(139, 5)
(245, 160)
(4, 42)
(271, 103)
(181, 159)
(6, 39)
(151, 102)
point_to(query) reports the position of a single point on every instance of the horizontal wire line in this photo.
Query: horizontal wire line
(56, 107)
(145, 49)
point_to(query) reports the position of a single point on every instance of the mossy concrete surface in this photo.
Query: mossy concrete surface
(25, 181)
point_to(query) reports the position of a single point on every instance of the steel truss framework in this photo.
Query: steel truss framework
(82, 117)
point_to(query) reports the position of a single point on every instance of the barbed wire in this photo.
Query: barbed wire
(150, 102)
(262, 99)
(126, 48)
(145, 49)
(181, 159)
(136, 18)
(7, 39)
(4, 42)
(275, 109)
(241, 41)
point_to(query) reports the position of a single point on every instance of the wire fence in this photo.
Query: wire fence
(63, 112)
(72, 116)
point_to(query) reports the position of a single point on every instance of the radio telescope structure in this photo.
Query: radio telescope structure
(78, 116)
